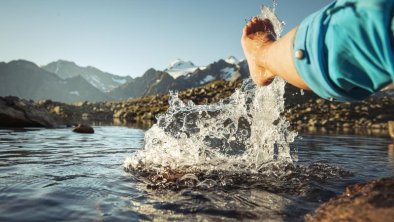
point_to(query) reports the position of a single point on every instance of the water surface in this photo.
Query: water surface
(54, 174)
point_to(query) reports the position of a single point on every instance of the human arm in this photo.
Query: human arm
(343, 52)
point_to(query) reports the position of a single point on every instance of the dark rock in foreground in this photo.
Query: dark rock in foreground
(373, 201)
(15, 112)
(81, 128)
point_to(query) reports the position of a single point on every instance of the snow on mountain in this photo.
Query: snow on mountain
(232, 60)
(207, 79)
(227, 73)
(76, 93)
(180, 64)
(95, 81)
(179, 68)
(118, 80)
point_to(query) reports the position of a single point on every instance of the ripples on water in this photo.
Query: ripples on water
(48, 175)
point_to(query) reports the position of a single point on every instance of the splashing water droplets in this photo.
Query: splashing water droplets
(241, 133)
(274, 5)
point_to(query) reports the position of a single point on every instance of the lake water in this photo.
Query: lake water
(54, 174)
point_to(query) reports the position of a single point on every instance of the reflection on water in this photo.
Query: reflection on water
(48, 175)
(390, 154)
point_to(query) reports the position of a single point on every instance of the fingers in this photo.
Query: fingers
(258, 25)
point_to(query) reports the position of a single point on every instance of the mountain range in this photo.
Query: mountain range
(65, 81)
(26, 80)
(101, 80)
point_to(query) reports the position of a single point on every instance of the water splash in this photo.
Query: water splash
(269, 13)
(242, 133)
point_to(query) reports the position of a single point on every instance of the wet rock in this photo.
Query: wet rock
(373, 201)
(15, 112)
(391, 129)
(81, 128)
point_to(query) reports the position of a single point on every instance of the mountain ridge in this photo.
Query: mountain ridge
(27, 80)
(104, 81)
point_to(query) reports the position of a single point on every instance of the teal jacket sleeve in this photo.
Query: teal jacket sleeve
(344, 51)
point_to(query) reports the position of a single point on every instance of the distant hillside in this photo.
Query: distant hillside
(151, 82)
(101, 80)
(26, 80)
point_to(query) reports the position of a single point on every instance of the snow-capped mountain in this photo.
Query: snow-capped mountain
(180, 75)
(232, 60)
(101, 80)
(179, 68)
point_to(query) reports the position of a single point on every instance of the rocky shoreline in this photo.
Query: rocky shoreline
(141, 110)
(305, 111)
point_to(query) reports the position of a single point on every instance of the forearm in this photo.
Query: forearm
(278, 58)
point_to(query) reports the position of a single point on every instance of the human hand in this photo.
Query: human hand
(257, 36)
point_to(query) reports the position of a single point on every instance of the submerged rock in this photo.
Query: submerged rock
(373, 201)
(81, 128)
(15, 112)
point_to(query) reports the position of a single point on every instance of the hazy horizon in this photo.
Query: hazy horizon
(128, 37)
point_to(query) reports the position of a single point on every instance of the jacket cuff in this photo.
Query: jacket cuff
(310, 56)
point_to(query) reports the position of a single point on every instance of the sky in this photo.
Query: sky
(127, 37)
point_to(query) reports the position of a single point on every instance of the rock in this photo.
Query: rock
(312, 122)
(373, 201)
(57, 110)
(320, 101)
(81, 128)
(86, 115)
(79, 104)
(15, 112)
(130, 116)
(391, 129)
(119, 114)
(376, 126)
(148, 116)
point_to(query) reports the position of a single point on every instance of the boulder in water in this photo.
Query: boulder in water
(372, 201)
(82, 128)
